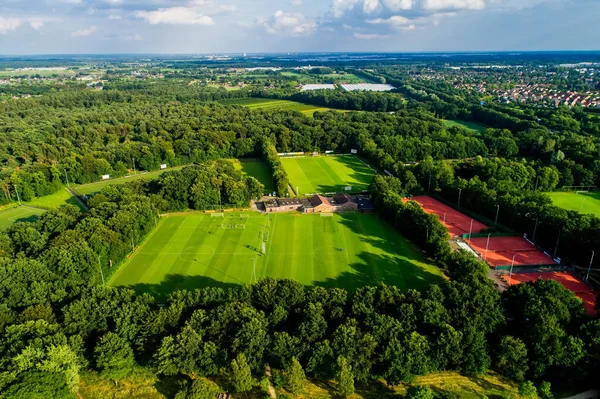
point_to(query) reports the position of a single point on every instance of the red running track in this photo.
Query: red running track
(457, 223)
(501, 250)
(567, 280)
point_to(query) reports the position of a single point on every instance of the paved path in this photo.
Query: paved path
(83, 204)
(591, 394)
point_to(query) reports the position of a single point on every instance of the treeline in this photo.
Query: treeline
(199, 187)
(280, 176)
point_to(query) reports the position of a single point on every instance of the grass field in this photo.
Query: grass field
(144, 384)
(19, 214)
(257, 169)
(198, 250)
(584, 203)
(327, 174)
(467, 125)
(53, 201)
(45, 73)
(268, 104)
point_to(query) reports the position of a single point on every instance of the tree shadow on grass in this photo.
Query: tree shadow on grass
(397, 266)
(177, 282)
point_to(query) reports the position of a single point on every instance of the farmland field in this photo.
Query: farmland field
(467, 125)
(584, 203)
(19, 214)
(327, 174)
(268, 104)
(345, 250)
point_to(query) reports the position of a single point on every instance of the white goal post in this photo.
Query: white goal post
(217, 215)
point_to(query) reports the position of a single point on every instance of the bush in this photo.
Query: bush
(415, 392)
(527, 389)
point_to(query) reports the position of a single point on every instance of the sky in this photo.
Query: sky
(237, 26)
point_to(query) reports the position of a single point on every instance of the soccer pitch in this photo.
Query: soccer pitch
(584, 203)
(327, 174)
(19, 214)
(347, 251)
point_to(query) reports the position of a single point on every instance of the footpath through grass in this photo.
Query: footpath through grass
(269, 104)
(348, 250)
(584, 203)
(327, 174)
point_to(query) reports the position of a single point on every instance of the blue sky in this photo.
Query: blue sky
(209, 26)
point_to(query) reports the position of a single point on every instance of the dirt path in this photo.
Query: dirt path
(272, 392)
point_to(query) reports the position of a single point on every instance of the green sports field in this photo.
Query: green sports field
(348, 251)
(584, 203)
(19, 214)
(467, 125)
(327, 174)
(269, 104)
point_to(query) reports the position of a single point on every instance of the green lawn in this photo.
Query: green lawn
(584, 203)
(268, 104)
(327, 174)
(199, 250)
(467, 125)
(19, 214)
(52, 201)
(257, 169)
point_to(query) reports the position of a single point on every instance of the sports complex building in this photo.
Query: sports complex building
(317, 204)
(515, 259)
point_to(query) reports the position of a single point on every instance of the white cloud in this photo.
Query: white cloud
(296, 3)
(115, 17)
(369, 36)
(454, 4)
(135, 38)
(292, 24)
(70, 1)
(396, 20)
(8, 24)
(38, 23)
(397, 5)
(370, 5)
(175, 16)
(85, 32)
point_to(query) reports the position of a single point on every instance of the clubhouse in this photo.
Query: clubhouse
(314, 204)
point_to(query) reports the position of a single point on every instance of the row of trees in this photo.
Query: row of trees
(280, 176)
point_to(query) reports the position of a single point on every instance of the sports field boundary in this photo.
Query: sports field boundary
(123, 264)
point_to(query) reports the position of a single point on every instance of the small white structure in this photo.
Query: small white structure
(318, 87)
(163, 166)
(367, 87)
(105, 177)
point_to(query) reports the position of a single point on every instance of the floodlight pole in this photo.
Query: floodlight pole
(557, 241)
(487, 244)
(536, 183)
(511, 267)
(581, 207)
(534, 230)
(67, 177)
(590, 266)
(17, 191)
(444, 218)
(101, 272)
(459, 192)
(497, 213)
(427, 233)
(429, 187)
(133, 160)
(470, 230)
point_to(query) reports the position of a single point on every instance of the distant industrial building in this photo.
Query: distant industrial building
(367, 87)
(318, 87)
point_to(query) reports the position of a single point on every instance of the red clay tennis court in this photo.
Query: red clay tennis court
(457, 223)
(501, 250)
(566, 279)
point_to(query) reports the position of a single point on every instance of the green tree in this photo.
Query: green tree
(241, 376)
(345, 378)
(416, 392)
(511, 358)
(527, 389)
(114, 356)
(545, 390)
(295, 378)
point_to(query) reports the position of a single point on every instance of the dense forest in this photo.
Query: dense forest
(57, 320)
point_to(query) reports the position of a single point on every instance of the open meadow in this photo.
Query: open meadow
(269, 104)
(347, 250)
(584, 203)
(18, 214)
(327, 174)
(467, 125)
